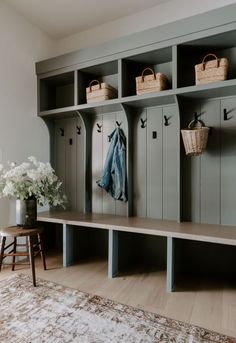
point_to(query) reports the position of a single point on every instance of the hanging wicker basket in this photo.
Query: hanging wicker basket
(195, 138)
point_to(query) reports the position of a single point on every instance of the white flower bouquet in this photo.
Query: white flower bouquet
(32, 180)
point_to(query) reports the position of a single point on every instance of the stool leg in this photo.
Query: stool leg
(31, 258)
(2, 251)
(14, 257)
(42, 251)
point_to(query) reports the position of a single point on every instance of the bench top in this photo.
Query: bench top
(184, 230)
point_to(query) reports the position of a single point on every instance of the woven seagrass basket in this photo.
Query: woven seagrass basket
(211, 71)
(151, 82)
(100, 91)
(195, 138)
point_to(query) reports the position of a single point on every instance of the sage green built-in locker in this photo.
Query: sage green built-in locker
(209, 182)
(155, 160)
(201, 174)
(103, 126)
(69, 160)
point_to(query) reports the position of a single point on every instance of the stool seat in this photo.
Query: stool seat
(34, 245)
(19, 231)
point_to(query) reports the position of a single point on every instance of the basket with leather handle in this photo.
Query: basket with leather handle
(100, 91)
(149, 83)
(195, 138)
(211, 70)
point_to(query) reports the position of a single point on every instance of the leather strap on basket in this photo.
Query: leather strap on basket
(204, 60)
(191, 126)
(148, 69)
(96, 82)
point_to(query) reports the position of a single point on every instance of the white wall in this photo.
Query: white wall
(161, 14)
(21, 133)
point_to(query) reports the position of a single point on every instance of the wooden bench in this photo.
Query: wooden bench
(171, 229)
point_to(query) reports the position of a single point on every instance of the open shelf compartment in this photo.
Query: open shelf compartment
(158, 60)
(192, 53)
(105, 72)
(57, 91)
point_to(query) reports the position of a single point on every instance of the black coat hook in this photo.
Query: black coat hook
(166, 121)
(62, 131)
(118, 124)
(78, 128)
(196, 117)
(99, 128)
(225, 114)
(143, 122)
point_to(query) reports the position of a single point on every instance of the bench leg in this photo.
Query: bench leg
(31, 258)
(42, 251)
(14, 257)
(68, 254)
(113, 253)
(170, 286)
(2, 251)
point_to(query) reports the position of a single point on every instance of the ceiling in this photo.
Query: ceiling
(61, 18)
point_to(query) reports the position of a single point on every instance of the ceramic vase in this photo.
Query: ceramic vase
(26, 213)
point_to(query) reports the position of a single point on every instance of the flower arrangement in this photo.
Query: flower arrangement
(32, 180)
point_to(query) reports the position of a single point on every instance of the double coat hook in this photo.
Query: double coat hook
(78, 128)
(143, 123)
(99, 128)
(166, 120)
(62, 131)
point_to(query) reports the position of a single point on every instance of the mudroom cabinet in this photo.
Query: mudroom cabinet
(163, 183)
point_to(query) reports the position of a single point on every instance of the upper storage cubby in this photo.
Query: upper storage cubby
(191, 53)
(105, 72)
(57, 91)
(158, 60)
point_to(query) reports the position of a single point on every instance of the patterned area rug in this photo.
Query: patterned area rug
(52, 313)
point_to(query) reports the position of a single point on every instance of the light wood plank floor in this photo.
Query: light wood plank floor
(211, 304)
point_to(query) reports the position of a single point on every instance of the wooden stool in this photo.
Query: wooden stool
(34, 245)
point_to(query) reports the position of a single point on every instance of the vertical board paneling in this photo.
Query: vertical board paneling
(71, 162)
(60, 152)
(210, 164)
(109, 124)
(121, 207)
(80, 167)
(228, 162)
(97, 165)
(191, 175)
(154, 163)
(170, 163)
(140, 166)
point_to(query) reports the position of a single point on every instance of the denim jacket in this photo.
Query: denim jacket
(114, 179)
